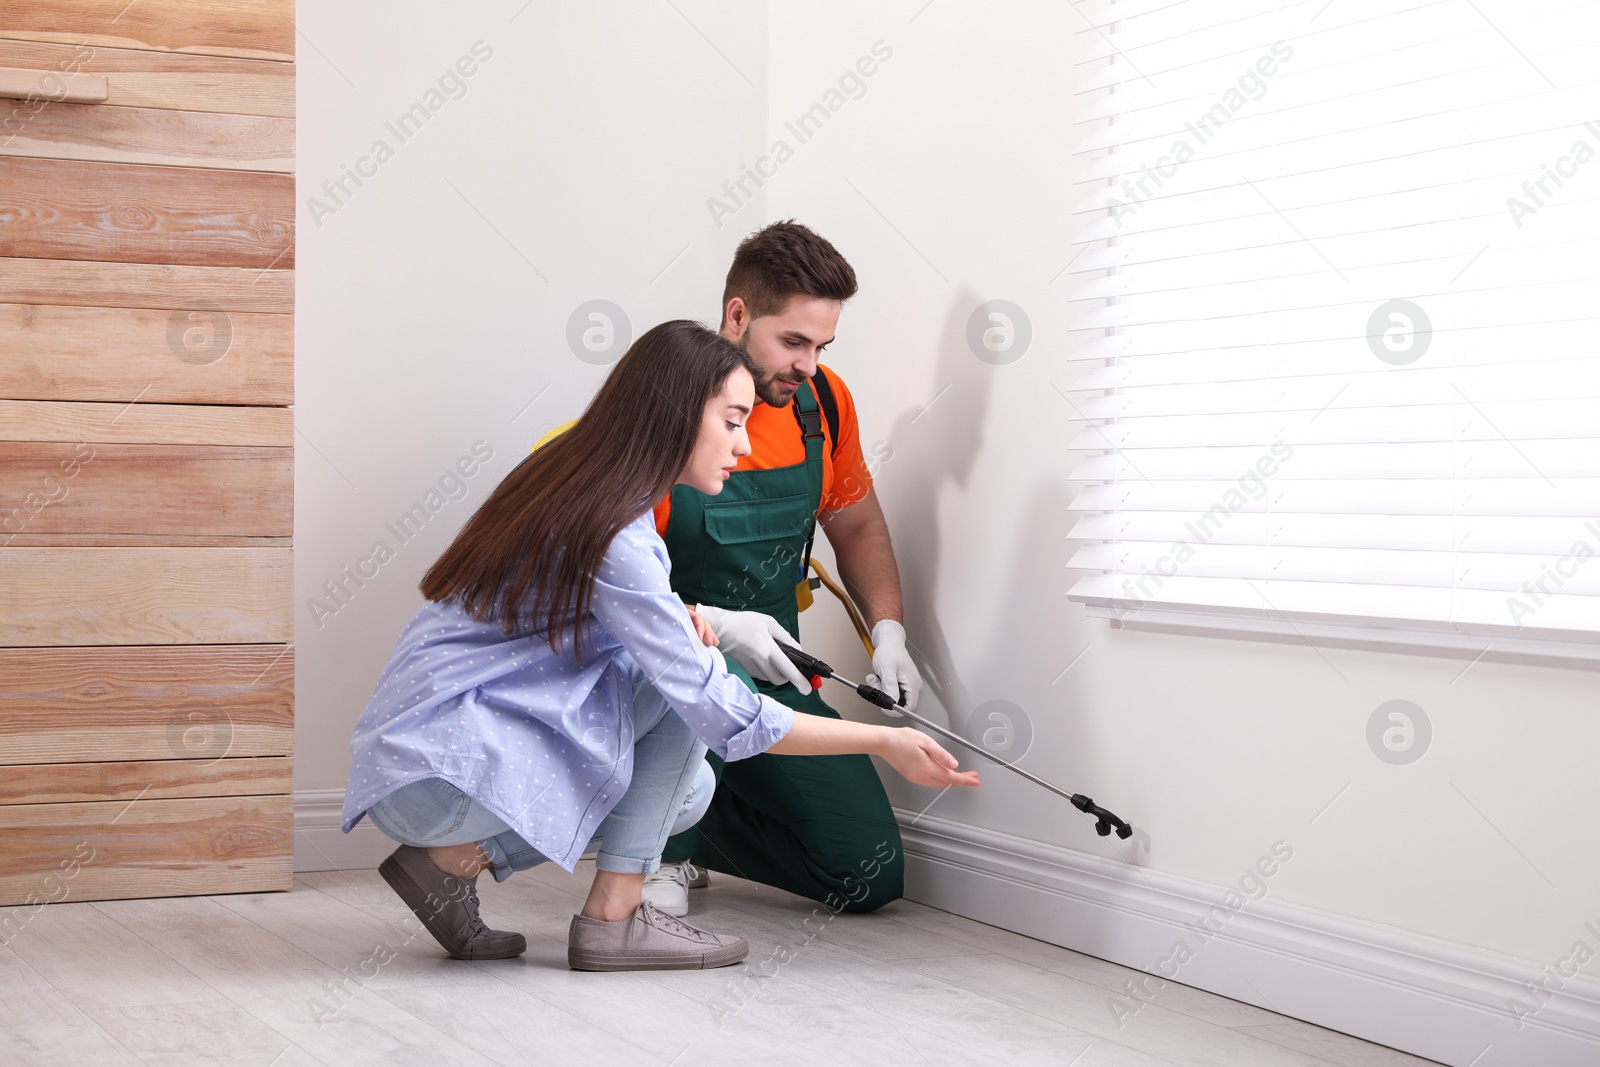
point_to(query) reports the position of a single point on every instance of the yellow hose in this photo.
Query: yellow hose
(552, 435)
(862, 631)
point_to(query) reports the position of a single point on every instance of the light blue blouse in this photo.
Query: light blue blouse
(544, 743)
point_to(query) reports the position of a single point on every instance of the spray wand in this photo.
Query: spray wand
(817, 670)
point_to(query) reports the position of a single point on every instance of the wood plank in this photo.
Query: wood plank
(59, 487)
(74, 283)
(35, 1015)
(147, 848)
(155, 137)
(144, 424)
(80, 705)
(135, 214)
(97, 960)
(235, 94)
(27, 539)
(261, 29)
(166, 79)
(64, 783)
(119, 354)
(165, 424)
(145, 596)
(22, 83)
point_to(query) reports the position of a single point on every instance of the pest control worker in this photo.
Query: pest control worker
(821, 826)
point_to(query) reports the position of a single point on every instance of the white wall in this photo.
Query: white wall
(946, 185)
(1215, 747)
(588, 142)
(592, 143)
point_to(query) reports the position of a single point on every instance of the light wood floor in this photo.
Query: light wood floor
(329, 973)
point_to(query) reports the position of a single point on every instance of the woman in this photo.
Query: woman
(554, 693)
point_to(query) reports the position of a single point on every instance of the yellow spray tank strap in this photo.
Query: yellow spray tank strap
(802, 591)
(552, 435)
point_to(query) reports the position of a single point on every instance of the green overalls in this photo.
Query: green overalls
(819, 826)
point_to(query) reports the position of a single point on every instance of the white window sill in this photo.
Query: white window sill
(1394, 635)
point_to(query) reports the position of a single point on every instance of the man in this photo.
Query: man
(821, 827)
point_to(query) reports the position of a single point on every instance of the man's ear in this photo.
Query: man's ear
(735, 318)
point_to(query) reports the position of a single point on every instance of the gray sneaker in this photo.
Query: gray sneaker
(650, 940)
(447, 904)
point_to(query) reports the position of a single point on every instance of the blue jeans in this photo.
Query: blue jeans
(670, 790)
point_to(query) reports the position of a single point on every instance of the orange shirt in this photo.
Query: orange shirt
(775, 441)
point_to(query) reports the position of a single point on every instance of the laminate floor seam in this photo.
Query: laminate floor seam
(291, 1043)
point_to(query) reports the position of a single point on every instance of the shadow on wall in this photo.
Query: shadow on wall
(1045, 656)
(936, 441)
(1040, 645)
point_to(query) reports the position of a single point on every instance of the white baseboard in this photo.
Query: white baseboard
(319, 844)
(1432, 998)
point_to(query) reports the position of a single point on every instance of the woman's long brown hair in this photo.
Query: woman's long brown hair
(528, 556)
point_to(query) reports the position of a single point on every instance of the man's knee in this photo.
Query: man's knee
(876, 896)
(869, 874)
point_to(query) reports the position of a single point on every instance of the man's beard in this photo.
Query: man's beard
(769, 393)
(767, 390)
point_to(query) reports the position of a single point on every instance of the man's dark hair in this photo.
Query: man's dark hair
(782, 260)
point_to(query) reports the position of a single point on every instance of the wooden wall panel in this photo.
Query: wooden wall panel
(146, 489)
(260, 28)
(144, 596)
(75, 705)
(107, 134)
(162, 79)
(145, 848)
(141, 285)
(132, 214)
(127, 540)
(146, 352)
(67, 783)
(123, 354)
(150, 424)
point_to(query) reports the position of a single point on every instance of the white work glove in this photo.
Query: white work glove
(752, 639)
(892, 669)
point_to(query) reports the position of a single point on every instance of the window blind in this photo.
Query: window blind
(1335, 306)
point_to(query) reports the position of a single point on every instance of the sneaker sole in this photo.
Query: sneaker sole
(689, 961)
(405, 888)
